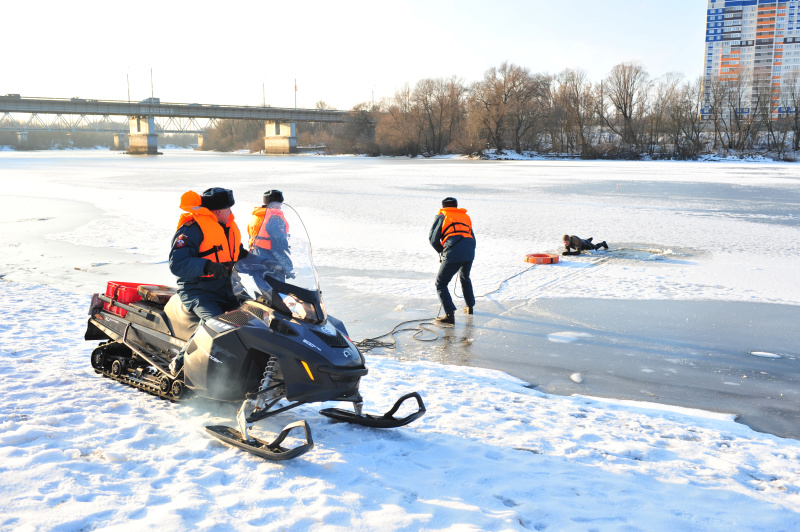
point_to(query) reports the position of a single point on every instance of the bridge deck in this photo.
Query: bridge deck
(77, 106)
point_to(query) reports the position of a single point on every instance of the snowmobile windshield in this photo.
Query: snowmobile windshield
(279, 270)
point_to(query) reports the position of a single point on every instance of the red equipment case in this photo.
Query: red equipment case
(122, 292)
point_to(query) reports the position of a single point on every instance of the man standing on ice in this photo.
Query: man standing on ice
(204, 249)
(452, 237)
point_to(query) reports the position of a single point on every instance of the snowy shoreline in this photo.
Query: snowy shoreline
(490, 454)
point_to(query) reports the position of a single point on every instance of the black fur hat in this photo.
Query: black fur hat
(273, 195)
(449, 202)
(217, 198)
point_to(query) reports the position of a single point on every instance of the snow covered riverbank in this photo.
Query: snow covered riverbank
(82, 452)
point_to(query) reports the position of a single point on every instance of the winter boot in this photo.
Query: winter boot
(467, 310)
(176, 365)
(603, 243)
(448, 319)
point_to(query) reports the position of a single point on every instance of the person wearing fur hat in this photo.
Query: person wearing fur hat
(204, 249)
(451, 235)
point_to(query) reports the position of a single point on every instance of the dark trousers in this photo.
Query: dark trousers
(446, 272)
(206, 305)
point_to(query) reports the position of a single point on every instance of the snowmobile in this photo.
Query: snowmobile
(278, 350)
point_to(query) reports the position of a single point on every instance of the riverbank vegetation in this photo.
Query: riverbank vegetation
(627, 114)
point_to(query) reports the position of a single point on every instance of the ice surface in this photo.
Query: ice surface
(700, 276)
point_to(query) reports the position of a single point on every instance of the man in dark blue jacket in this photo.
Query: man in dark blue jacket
(451, 235)
(204, 249)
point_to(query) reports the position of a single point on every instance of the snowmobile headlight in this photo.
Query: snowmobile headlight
(299, 309)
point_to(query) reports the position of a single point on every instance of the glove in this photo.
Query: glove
(215, 270)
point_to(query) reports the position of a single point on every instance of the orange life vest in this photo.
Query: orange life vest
(456, 222)
(259, 237)
(215, 246)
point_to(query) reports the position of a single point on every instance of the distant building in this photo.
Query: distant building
(755, 42)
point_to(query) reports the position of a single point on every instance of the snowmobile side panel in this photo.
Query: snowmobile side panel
(217, 365)
(153, 317)
(270, 451)
(386, 421)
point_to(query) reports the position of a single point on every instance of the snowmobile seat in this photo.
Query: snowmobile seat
(183, 321)
(156, 293)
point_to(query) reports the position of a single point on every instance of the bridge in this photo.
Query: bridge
(141, 126)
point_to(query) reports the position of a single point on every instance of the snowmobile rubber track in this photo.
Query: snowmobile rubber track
(113, 360)
(270, 451)
(148, 386)
(386, 421)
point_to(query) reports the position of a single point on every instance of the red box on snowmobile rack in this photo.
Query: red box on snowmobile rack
(122, 292)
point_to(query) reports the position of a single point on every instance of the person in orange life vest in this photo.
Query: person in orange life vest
(269, 231)
(580, 245)
(204, 250)
(451, 235)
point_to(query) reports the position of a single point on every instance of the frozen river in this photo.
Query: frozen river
(695, 303)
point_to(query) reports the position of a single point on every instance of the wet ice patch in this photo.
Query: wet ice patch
(567, 337)
(644, 254)
(764, 354)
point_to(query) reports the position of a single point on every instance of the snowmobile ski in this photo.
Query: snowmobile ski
(270, 451)
(386, 421)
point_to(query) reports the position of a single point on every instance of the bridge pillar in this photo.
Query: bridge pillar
(142, 139)
(119, 141)
(199, 141)
(22, 139)
(280, 137)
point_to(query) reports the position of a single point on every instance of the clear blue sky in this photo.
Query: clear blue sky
(340, 52)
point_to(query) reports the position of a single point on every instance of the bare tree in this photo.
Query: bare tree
(491, 98)
(575, 105)
(397, 131)
(685, 123)
(626, 88)
(664, 99)
(792, 90)
(439, 104)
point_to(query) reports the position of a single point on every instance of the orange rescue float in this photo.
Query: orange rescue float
(541, 258)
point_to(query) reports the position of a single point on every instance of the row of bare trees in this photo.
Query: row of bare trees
(626, 114)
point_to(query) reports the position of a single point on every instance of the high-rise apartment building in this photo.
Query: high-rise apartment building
(753, 41)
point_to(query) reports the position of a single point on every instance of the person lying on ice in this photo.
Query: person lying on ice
(580, 244)
(204, 249)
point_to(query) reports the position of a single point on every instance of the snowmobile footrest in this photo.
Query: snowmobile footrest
(270, 451)
(386, 421)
